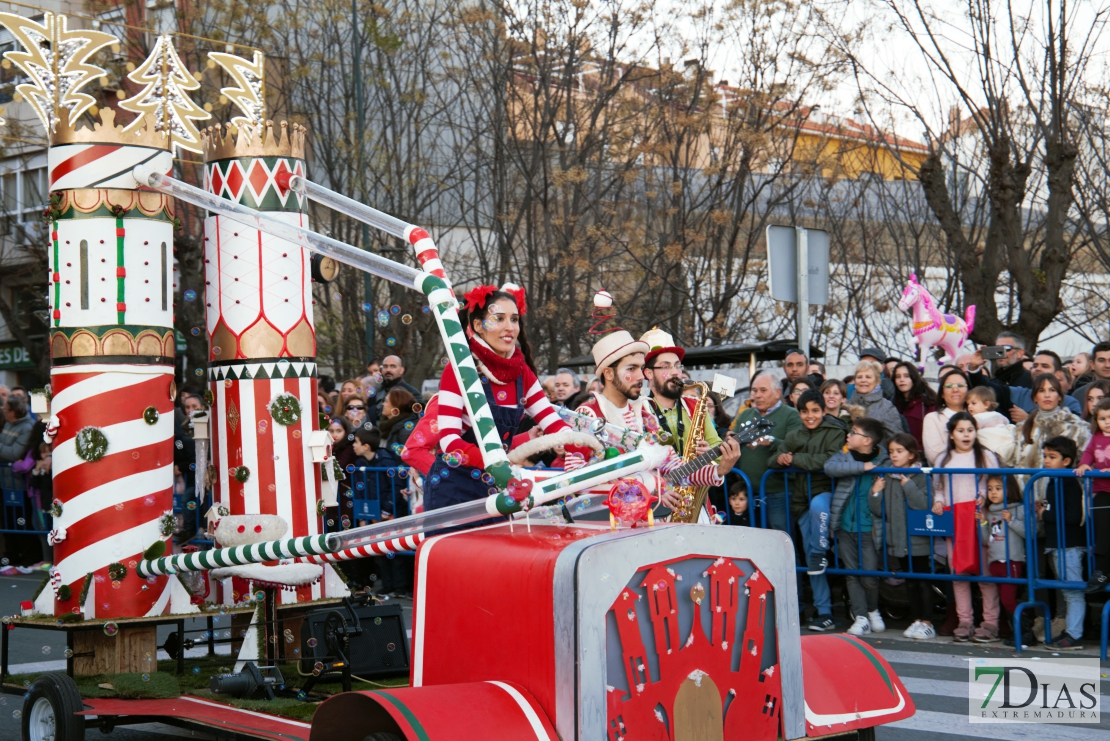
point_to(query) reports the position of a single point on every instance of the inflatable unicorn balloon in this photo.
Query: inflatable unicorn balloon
(931, 328)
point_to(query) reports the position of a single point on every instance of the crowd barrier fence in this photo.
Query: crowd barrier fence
(18, 514)
(776, 506)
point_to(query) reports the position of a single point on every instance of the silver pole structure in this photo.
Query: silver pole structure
(350, 207)
(310, 240)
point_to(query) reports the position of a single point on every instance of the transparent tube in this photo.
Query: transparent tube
(349, 207)
(310, 240)
(467, 513)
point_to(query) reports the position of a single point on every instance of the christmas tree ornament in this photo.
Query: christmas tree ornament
(165, 86)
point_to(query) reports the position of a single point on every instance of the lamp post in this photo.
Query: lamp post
(367, 280)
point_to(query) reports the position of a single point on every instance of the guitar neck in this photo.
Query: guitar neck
(692, 465)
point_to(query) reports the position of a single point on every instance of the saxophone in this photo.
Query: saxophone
(692, 498)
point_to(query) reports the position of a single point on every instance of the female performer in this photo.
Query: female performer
(499, 344)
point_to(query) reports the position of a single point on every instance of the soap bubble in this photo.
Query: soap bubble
(367, 308)
(20, 522)
(311, 642)
(426, 309)
(17, 714)
(46, 649)
(195, 331)
(336, 296)
(68, 653)
(391, 341)
(395, 309)
(391, 647)
(190, 295)
(111, 629)
(146, 677)
(406, 319)
(196, 670)
(199, 372)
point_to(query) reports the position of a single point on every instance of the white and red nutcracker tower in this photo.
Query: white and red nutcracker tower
(262, 339)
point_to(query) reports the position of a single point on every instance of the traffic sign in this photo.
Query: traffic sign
(782, 264)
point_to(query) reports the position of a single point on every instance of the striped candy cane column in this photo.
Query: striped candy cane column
(263, 340)
(112, 348)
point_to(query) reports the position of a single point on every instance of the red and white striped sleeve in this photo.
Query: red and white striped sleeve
(706, 476)
(451, 413)
(539, 408)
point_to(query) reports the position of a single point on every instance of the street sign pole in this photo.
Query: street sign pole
(802, 244)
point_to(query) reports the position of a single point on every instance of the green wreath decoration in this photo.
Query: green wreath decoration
(242, 474)
(285, 409)
(64, 593)
(56, 508)
(150, 416)
(91, 444)
(117, 571)
(208, 398)
(166, 524)
(223, 511)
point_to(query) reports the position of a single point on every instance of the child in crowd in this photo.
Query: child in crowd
(965, 451)
(738, 505)
(893, 494)
(1002, 532)
(1096, 457)
(809, 449)
(1063, 516)
(395, 573)
(981, 402)
(851, 519)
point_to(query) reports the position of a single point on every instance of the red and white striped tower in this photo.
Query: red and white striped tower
(263, 341)
(112, 354)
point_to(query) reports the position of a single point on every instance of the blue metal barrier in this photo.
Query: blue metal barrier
(18, 514)
(1032, 579)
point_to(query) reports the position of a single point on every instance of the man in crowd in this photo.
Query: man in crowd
(566, 386)
(766, 401)
(1010, 369)
(794, 366)
(5, 392)
(192, 403)
(817, 370)
(393, 376)
(16, 435)
(1100, 366)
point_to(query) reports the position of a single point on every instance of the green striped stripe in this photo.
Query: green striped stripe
(119, 264)
(403, 709)
(870, 657)
(57, 284)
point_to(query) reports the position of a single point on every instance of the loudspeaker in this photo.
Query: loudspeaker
(381, 651)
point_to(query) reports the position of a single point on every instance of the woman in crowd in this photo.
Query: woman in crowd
(835, 393)
(869, 395)
(353, 409)
(1096, 393)
(399, 417)
(953, 399)
(1049, 419)
(797, 388)
(913, 398)
(349, 388)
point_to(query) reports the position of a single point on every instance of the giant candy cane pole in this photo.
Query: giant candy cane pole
(440, 298)
(112, 357)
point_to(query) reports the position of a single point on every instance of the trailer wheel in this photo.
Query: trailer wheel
(49, 710)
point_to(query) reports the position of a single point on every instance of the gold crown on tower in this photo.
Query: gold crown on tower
(230, 142)
(107, 131)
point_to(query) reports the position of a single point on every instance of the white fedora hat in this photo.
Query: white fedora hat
(614, 346)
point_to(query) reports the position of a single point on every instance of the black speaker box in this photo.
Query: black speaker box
(381, 651)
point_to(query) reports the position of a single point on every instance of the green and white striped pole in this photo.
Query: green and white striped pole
(312, 545)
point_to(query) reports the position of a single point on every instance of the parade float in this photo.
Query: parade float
(542, 625)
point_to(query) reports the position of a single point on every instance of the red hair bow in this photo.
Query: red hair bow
(517, 292)
(477, 297)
